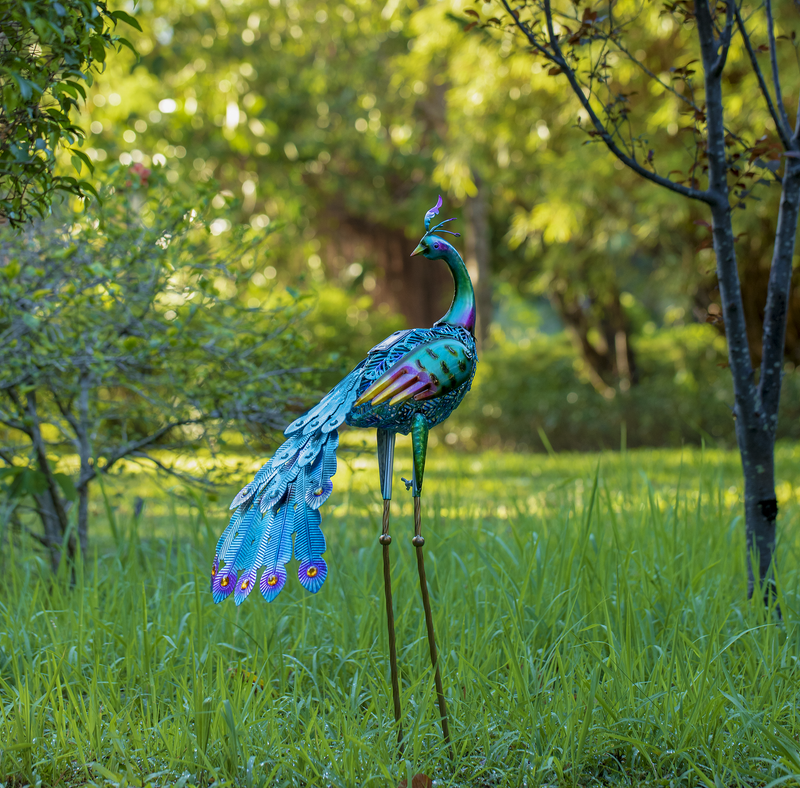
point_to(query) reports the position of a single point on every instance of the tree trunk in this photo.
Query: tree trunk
(755, 410)
(50, 502)
(52, 529)
(478, 258)
(85, 451)
(761, 505)
(610, 362)
(414, 286)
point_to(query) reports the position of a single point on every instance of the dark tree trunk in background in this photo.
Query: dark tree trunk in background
(417, 288)
(52, 537)
(610, 359)
(478, 257)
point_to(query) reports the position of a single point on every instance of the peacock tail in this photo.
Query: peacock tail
(281, 502)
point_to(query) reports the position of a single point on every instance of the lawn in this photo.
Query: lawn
(591, 614)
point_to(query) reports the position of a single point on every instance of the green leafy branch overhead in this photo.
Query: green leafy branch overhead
(48, 51)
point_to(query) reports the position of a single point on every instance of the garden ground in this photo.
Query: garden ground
(591, 613)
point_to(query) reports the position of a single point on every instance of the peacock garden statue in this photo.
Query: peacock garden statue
(410, 382)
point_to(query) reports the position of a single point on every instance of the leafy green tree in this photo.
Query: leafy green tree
(293, 108)
(341, 119)
(48, 51)
(723, 161)
(124, 328)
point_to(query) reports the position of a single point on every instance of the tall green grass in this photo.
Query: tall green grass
(590, 610)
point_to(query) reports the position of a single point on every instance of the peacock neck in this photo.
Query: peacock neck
(462, 310)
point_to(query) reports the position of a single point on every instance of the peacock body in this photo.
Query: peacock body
(421, 371)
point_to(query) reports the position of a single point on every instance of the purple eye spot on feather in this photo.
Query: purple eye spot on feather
(272, 583)
(312, 574)
(223, 584)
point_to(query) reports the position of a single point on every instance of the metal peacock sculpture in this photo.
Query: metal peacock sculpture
(410, 382)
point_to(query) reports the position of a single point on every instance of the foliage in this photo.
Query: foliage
(342, 126)
(289, 106)
(534, 386)
(48, 51)
(593, 630)
(124, 327)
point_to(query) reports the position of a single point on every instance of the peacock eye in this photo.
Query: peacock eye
(436, 246)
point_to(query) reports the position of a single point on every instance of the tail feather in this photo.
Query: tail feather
(279, 549)
(282, 501)
(309, 542)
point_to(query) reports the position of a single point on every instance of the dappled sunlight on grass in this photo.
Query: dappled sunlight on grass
(591, 613)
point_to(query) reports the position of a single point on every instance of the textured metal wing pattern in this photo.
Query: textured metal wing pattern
(425, 370)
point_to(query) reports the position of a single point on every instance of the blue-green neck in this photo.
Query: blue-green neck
(462, 310)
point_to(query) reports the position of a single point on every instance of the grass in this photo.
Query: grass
(590, 610)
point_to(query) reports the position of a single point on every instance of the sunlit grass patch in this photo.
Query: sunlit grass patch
(590, 610)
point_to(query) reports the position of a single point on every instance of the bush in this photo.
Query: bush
(524, 391)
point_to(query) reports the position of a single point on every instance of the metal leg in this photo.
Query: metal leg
(386, 442)
(419, 439)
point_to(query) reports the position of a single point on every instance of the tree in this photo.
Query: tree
(722, 166)
(47, 53)
(123, 329)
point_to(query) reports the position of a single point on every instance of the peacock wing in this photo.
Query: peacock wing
(429, 370)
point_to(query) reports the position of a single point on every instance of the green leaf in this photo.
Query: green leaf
(124, 42)
(125, 17)
(98, 48)
(84, 158)
(67, 486)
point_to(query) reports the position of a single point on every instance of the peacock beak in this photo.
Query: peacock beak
(419, 250)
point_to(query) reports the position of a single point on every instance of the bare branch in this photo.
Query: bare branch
(557, 57)
(128, 449)
(762, 83)
(773, 59)
(724, 40)
(182, 475)
(780, 277)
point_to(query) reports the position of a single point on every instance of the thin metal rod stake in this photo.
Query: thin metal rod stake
(386, 441)
(386, 540)
(418, 541)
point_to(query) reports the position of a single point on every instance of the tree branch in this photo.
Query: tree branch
(724, 40)
(773, 60)
(722, 225)
(171, 471)
(762, 83)
(557, 57)
(130, 448)
(779, 288)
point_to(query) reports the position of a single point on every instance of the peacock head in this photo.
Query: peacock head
(431, 246)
